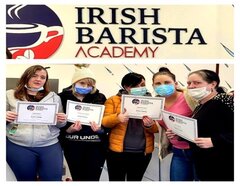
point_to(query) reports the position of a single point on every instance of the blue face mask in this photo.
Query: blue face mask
(165, 90)
(138, 91)
(83, 90)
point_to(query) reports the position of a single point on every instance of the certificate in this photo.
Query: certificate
(36, 113)
(184, 127)
(84, 112)
(139, 106)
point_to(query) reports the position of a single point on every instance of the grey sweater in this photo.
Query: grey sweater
(33, 135)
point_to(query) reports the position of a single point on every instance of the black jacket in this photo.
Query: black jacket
(85, 134)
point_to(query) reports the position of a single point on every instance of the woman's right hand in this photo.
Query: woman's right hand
(76, 126)
(123, 117)
(11, 116)
(170, 134)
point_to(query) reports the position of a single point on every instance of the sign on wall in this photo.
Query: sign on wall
(120, 31)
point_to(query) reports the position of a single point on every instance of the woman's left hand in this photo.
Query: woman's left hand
(94, 126)
(61, 117)
(204, 142)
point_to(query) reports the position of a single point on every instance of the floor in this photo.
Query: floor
(157, 170)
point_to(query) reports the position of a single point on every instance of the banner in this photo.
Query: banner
(120, 31)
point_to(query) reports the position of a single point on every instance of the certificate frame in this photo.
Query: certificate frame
(84, 112)
(139, 106)
(36, 113)
(183, 126)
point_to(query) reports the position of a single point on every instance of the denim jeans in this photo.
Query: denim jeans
(28, 162)
(182, 167)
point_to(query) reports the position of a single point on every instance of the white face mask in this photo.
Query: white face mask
(199, 93)
(34, 89)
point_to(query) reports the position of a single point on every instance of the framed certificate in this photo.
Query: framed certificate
(84, 112)
(184, 127)
(139, 106)
(36, 113)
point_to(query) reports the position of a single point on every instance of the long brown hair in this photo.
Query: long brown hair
(21, 91)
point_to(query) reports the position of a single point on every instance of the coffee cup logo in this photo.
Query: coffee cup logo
(33, 31)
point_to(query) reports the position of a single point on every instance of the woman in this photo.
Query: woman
(131, 141)
(34, 150)
(213, 149)
(84, 145)
(176, 101)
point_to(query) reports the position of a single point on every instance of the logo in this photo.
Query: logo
(78, 107)
(33, 31)
(171, 118)
(136, 101)
(30, 107)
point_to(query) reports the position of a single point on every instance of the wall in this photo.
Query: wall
(109, 75)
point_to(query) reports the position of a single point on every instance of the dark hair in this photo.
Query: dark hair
(132, 79)
(21, 92)
(210, 76)
(164, 71)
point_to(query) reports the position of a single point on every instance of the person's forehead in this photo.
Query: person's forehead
(195, 76)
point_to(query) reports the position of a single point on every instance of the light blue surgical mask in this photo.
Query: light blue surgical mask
(165, 90)
(34, 89)
(83, 90)
(138, 91)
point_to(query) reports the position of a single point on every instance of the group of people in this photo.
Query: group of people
(36, 151)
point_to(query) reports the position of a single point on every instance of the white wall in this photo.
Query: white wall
(108, 82)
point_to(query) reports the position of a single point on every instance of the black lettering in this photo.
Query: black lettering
(129, 35)
(96, 13)
(87, 35)
(131, 18)
(177, 34)
(114, 17)
(106, 33)
(162, 38)
(155, 16)
(198, 36)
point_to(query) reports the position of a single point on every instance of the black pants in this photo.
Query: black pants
(85, 160)
(127, 166)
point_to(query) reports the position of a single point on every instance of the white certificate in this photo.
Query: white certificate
(84, 112)
(183, 126)
(139, 106)
(36, 113)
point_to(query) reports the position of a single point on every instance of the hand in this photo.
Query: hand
(147, 121)
(76, 126)
(61, 117)
(204, 142)
(11, 116)
(123, 117)
(94, 126)
(170, 134)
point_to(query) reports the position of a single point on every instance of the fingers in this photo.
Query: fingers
(11, 116)
(147, 121)
(170, 134)
(204, 142)
(123, 117)
(77, 126)
(61, 117)
(94, 126)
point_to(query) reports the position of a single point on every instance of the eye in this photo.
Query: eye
(43, 77)
(167, 82)
(197, 83)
